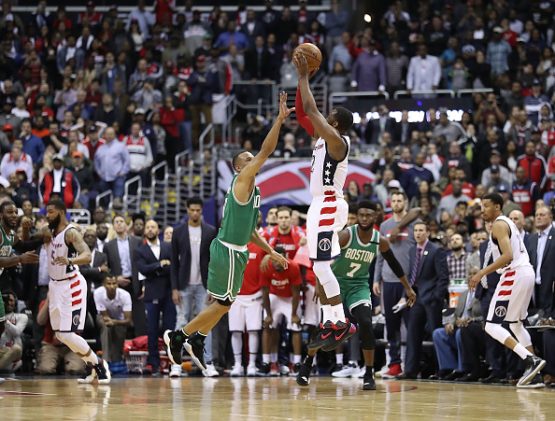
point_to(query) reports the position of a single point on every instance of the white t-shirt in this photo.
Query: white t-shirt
(195, 235)
(115, 307)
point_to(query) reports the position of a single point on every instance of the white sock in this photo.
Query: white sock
(237, 346)
(339, 358)
(337, 313)
(78, 345)
(273, 357)
(252, 359)
(327, 314)
(266, 358)
(296, 359)
(521, 351)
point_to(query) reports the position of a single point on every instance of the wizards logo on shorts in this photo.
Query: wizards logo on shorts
(500, 311)
(324, 245)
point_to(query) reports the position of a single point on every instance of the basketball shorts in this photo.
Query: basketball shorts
(246, 313)
(311, 314)
(354, 292)
(67, 304)
(327, 215)
(512, 295)
(282, 307)
(225, 271)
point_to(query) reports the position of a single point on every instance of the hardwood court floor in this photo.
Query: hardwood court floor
(267, 399)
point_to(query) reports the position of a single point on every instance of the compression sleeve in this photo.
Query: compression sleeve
(302, 118)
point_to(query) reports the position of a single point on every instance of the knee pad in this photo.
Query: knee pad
(226, 303)
(521, 334)
(327, 279)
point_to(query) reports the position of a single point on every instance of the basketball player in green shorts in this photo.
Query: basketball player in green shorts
(360, 244)
(228, 252)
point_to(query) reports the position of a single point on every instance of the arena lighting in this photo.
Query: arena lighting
(367, 18)
(414, 116)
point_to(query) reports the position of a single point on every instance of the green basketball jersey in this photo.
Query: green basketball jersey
(6, 244)
(356, 257)
(239, 220)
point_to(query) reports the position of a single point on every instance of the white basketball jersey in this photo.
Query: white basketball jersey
(326, 174)
(56, 248)
(520, 255)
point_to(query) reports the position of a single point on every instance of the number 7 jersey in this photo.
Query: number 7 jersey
(356, 257)
(239, 219)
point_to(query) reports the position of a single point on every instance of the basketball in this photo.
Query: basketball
(312, 54)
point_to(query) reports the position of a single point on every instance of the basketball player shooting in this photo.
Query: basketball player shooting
(513, 293)
(328, 210)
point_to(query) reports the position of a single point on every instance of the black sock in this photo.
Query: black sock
(369, 370)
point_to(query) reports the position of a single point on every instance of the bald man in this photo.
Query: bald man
(518, 218)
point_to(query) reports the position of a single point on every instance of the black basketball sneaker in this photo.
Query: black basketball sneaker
(174, 345)
(194, 345)
(330, 335)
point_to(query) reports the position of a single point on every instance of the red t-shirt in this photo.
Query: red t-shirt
(280, 282)
(467, 189)
(251, 278)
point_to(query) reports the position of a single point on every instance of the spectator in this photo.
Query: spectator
(233, 35)
(140, 152)
(83, 172)
(65, 97)
(112, 164)
(414, 176)
(139, 223)
(429, 277)
(449, 202)
(144, 18)
(450, 129)
(167, 234)
(122, 263)
(189, 271)
(498, 53)
(368, 73)
(376, 128)
(153, 261)
(542, 258)
(457, 259)
(148, 97)
(340, 53)
(396, 65)
(534, 102)
(114, 316)
(11, 345)
(525, 192)
(424, 72)
(495, 161)
(96, 271)
(32, 145)
(460, 341)
(60, 183)
(534, 165)
(203, 83)
(16, 160)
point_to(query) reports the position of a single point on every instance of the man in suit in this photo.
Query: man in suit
(94, 272)
(454, 363)
(153, 261)
(430, 278)
(377, 127)
(541, 249)
(189, 270)
(122, 263)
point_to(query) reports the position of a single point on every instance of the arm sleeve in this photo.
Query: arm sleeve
(302, 118)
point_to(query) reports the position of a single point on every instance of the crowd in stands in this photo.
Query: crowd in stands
(89, 100)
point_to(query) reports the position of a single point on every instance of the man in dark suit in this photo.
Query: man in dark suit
(153, 261)
(430, 278)
(189, 270)
(377, 127)
(94, 272)
(541, 249)
(122, 263)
